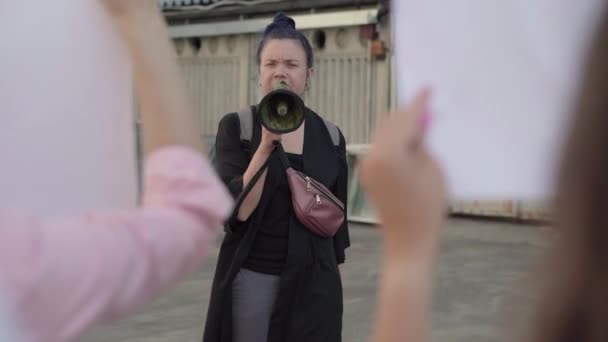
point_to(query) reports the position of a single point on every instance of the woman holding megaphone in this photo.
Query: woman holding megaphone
(277, 277)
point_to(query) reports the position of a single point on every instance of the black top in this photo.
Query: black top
(269, 248)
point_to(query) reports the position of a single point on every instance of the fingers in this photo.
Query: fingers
(269, 139)
(406, 128)
(399, 137)
(414, 120)
(269, 135)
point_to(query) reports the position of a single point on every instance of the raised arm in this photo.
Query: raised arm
(406, 188)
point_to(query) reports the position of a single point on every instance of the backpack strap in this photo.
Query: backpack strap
(334, 132)
(246, 122)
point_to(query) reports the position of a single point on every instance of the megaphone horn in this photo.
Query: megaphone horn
(281, 111)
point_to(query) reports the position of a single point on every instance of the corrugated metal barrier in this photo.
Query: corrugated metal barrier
(361, 211)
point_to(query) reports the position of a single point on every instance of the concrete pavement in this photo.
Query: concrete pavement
(481, 271)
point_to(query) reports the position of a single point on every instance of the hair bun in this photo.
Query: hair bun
(281, 21)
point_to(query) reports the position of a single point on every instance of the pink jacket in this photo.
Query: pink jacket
(61, 277)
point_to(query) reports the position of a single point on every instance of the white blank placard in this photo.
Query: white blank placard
(66, 130)
(503, 75)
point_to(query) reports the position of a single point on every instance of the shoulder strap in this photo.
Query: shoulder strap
(247, 188)
(246, 121)
(333, 132)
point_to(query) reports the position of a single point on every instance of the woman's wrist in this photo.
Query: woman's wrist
(142, 28)
(266, 147)
(420, 249)
(128, 10)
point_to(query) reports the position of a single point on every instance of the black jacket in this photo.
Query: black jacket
(309, 303)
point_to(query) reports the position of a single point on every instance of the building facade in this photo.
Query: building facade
(216, 42)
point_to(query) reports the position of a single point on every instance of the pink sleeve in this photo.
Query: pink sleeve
(64, 276)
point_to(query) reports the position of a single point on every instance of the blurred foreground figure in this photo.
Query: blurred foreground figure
(407, 189)
(59, 277)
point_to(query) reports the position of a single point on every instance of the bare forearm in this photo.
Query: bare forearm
(253, 198)
(167, 116)
(404, 298)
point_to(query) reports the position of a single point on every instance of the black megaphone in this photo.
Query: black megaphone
(281, 111)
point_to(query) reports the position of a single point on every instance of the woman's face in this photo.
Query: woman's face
(284, 60)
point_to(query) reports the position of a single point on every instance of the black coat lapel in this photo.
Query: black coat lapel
(319, 153)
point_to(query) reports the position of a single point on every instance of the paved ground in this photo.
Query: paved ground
(479, 288)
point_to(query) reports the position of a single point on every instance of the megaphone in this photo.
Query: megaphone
(281, 111)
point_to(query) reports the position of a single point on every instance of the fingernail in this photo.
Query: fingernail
(426, 90)
(425, 120)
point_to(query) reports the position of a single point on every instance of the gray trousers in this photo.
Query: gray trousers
(253, 297)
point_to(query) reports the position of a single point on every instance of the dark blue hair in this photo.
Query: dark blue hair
(284, 27)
